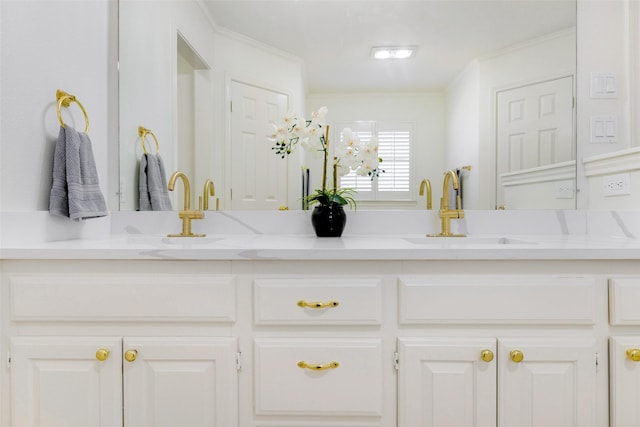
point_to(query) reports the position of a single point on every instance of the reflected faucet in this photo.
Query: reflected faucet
(209, 190)
(426, 184)
(186, 214)
(446, 213)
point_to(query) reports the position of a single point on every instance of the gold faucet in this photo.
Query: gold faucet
(186, 214)
(426, 184)
(446, 213)
(209, 190)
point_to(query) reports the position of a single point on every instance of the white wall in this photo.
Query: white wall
(425, 110)
(462, 134)
(608, 36)
(49, 45)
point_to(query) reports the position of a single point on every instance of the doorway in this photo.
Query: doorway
(258, 176)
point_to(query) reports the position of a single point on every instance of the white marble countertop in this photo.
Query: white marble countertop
(383, 235)
(309, 247)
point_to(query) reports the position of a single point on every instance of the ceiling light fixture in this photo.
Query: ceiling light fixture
(392, 52)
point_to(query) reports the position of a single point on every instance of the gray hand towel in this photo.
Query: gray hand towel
(75, 191)
(144, 198)
(154, 194)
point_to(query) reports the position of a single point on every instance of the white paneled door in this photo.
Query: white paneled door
(180, 382)
(546, 382)
(66, 381)
(258, 175)
(624, 360)
(447, 382)
(534, 127)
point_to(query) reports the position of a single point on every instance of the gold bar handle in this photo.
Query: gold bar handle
(316, 367)
(317, 304)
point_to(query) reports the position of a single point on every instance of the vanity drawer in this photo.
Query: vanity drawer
(317, 301)
(624, 300)
(123, 297)
(467, 299)
(352, 388)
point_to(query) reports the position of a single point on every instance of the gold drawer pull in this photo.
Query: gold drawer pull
(130, 355)
(633, 354)
(314, 367)
(102, 354)
(316, 304)
(486, 355)
(516, 356)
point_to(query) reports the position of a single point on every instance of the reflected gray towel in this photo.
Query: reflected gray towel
(75, 190)
(152, 184)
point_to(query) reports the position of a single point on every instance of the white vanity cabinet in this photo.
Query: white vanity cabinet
(624, 350)
(79, 382)
(486, 372)
(107, 344)
(319, 351)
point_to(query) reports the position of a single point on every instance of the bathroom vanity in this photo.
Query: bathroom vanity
(262, 329)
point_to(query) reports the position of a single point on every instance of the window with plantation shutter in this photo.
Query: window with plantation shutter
(395, 140)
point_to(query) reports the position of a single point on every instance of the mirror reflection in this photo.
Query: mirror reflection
(488, 91)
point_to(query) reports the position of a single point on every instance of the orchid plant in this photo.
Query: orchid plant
(349, 154)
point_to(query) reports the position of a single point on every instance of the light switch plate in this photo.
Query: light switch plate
(604, 85)
(604, 129)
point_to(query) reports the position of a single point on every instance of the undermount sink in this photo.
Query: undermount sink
(468, 240)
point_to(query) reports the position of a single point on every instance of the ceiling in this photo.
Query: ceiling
(334, 37)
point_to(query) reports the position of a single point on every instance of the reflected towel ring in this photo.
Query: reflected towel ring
(64, 100)
(143, 132)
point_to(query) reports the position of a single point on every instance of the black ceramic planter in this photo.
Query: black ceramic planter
(328, 220)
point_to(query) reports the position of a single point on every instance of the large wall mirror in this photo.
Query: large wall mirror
(491, 85)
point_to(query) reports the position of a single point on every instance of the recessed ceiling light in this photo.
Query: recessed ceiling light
(392, 52)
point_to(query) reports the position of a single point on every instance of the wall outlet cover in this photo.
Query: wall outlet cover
(616, 185)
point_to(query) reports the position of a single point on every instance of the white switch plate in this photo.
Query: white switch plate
(604, 129)
(604, 85)
(616, 185)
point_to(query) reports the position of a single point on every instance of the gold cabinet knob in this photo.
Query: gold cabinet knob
(317, 304)
(316, 367)
(102, 354)
(516, 356)
(486, 355)
(633, 354)
(130, 355)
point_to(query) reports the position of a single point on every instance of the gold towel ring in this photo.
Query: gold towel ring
(64, 100)
(143, 132)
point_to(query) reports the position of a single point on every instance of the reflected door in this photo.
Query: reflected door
(258, 176)
(535, 145)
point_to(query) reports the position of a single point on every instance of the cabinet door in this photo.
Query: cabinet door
(625, 381)
(172, 382)
(446, 382)
(60, 381)
(546, 382)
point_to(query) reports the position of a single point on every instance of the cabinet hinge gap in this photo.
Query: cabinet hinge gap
(8, 359)
(238, 361)
(396, 360)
